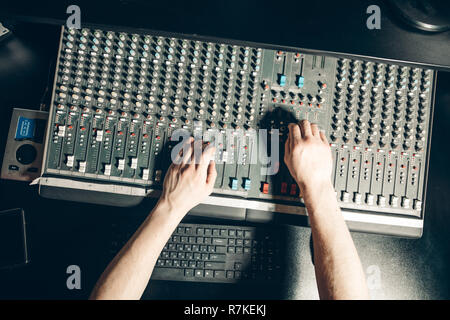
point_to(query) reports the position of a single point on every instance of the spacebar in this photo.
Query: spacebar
(167, 274)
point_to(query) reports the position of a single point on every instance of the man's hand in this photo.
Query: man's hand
(338, 269)
(308, 156)
(187, 183)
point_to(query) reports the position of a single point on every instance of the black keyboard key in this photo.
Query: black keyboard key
(199, 273)
(240, 233)
(200, 231)
(209, 273)
(167, 273)
(237, 266)
(192, 264)
(221, 249)
(219, 241)
(219, 274)
(215, 265)
(216, 232)
(230, 274)
(188, 272)
(199, 240)
(217, 257)
(232, 233)
(223, 232)
(208, 232)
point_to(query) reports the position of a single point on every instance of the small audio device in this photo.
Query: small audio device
(23, 154)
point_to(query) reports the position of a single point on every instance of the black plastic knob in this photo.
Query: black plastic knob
(26, 154)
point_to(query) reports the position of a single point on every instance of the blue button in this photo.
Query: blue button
(247, 183)
(300, 82)
(282, 80)
(234, 184)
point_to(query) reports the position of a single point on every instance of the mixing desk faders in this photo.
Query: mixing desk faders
(119, 97)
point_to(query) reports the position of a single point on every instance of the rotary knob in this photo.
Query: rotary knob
(26, 154)
(406, 145)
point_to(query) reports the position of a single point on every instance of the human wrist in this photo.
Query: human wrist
(169, 211)
(313, 190)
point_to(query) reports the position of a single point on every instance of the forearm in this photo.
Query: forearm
(128, 274)
(338, 269)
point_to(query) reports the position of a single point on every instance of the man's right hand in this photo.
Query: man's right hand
(308, 156)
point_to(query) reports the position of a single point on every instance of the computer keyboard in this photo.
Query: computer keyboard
(218, 253)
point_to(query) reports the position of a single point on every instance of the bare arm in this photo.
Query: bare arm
(185, 185)
(338, 269)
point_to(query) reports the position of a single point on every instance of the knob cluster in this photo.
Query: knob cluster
(380, 106)
(184, 80)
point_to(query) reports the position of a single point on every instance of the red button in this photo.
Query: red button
(265, 188)
(283, 187)
(293, 189)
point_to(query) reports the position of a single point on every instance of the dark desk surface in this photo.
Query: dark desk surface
(327, 25)
(65, 233)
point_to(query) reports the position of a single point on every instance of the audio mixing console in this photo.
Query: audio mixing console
(118, 98)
